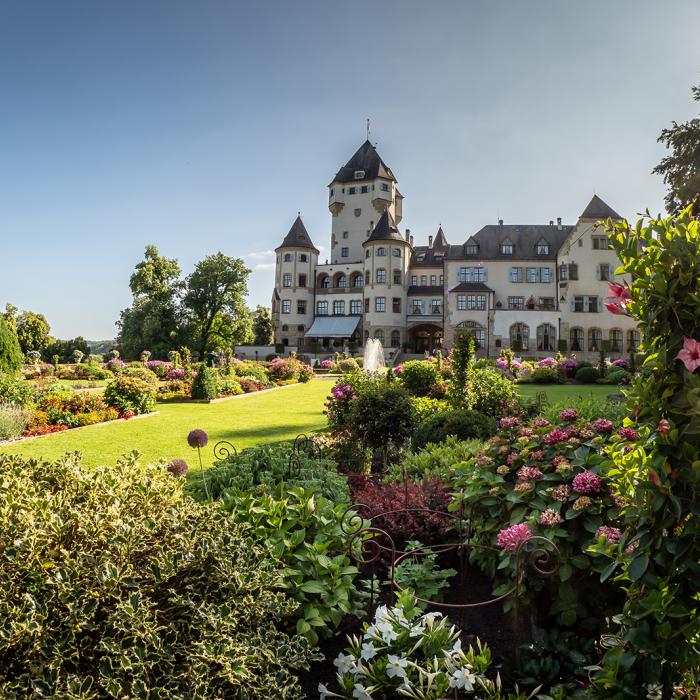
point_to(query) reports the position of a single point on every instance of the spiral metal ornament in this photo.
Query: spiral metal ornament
(224, 449)
(541, 555)
(351, 521)
(371, 547)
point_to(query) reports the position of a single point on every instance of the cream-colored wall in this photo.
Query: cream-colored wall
(294, 293)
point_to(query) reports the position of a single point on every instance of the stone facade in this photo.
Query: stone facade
(533, 288)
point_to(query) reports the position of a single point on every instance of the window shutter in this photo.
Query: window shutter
(571, 304)
(598, 276)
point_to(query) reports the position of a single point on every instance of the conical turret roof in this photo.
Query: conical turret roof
(367, 160)
(598, 209)
(385, 230)
(298, 237)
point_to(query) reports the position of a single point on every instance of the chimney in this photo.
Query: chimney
(410, 240)
(559, 222)
(551, 222)
(430, 241)
(500, 222)
(408, 234)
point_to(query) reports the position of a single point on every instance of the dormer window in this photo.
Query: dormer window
(506, 248)
(543, 248)
(472, 247)
(359, 174)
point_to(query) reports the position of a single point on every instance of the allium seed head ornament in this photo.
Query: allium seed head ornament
(178, 467)
(197, 438)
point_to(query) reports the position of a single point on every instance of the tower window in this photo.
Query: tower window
(286, 306)
(384, 187)
(287, 279)
(303, 257)
(380, 304)
(288, 257)
(381, 252)
(344, 252)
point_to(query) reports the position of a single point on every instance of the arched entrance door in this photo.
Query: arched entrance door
(426, 337)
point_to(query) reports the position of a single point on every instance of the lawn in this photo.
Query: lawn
(252, 419)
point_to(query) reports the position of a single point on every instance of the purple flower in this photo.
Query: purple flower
(178, 467)
(587, 482)
(540, 423)
(628, 434)
(197, 438)
(603, 425)
(528, 473)
(620, 363)
(611, 534)
(175, 374)
(568, 414)
(513, 537)
(509, 422)
(547, 362)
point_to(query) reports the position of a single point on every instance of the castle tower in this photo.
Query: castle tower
(362, 190)
(293, 296)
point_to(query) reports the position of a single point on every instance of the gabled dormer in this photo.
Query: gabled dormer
(543, 247)
(506, 247)
(471, 247)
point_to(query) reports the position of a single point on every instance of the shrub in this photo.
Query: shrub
(546, 375)
(418, 377)
(619, 376)
(422, 575)
(152, 595)
(586, 375)
(13, 420)
(72, 408)
(15, 390)
(283, 370)
(464, 425)
(204, 384)
(435, 461)
(349, 365)
(128, 394)
(159, 368)
(228, 387)
(10, 353)
(426, 406)
(247, 368)
(306, 373)
(250, 384)
(491, 393)
(145, 375)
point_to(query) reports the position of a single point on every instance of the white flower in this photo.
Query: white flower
(416, 630)
(325, 693)
(360, 692)
(431, 616)
(387, 631)
(368, 652)
(457, 648)
(462, 678)
(396, 666)
(345, 663)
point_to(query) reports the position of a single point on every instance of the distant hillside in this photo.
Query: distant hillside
(100, 347)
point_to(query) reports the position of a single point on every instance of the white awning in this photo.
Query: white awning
(333, 327)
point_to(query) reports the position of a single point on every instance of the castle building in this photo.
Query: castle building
(534, 288)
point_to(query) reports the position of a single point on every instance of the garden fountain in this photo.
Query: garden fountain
(374, 356)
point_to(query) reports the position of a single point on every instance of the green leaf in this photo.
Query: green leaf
(313, 587)
(638, 567)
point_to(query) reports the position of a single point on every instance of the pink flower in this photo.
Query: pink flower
(540, 423)
(568, 414)
(615, 309)
(663, 428)
(513, 537)
(550, 517)
(555, 436)
(587, 482)
(511, 457)
(522, 486)
(611, 534)
(528, 473)
(690, 354)
(509, 422)
(561, 493)
(603, 425)
(538, 455)
(619, 292)
(628, 434)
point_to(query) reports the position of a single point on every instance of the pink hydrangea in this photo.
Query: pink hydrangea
(628, 434)
(568, 414)
(523, 486)
(509, 422)
(511, 457)
(547, 362)
(550, 517)
(561, 493)
(540, 423)
(538, 455)
(611, 534)
(513, 537)
(555, 436)
(582, 503)
(587, 482)
(603, 425)
(529, 473)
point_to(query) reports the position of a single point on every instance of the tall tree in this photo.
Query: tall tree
(10, 354)
(681, 169)
(152, 322)
(215, 301)
(32, 331)
(10, 317)
(262, 326)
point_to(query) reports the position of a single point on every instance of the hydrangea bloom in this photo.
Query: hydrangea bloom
(582, 503)
(550, 517)
(503, 469)
(603, 425)
(538, 455)
(513, 537)
(568, 414)
(509, 422)
(528, 473)
(611, 534)
(564, 467)
(522, 486)
(175, 374)
(587, 482)
(555, 436)
(561, 493)
(547, 362)
(540, 423)
(628, 434)
(620, 363)
(197, 438)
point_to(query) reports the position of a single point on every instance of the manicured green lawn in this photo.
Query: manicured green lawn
(266, 416)
(568, 392)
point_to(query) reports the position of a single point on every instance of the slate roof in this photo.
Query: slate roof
(425, 291)
(440, 239)
(365, 158)
(298, 237)
(524, 238)
(385, 230)
(471, 287)
(598, 209)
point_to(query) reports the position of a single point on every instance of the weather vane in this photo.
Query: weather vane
(368, 129)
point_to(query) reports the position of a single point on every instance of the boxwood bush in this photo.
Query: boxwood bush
(586, 375)
(418, 376)
(10, 353)
(115, 585)
(204, 384)
(465, 425)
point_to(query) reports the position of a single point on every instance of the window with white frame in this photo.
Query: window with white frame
(381, 275)
(381, 252)
(380, 304)
(322, 308)
(417, 306)
(286, 306)
(546, 275)
(436, 306)
(287, 279)
(355, 307)
(516, 274)
(517, 303)
(338, 308)
(472, 274)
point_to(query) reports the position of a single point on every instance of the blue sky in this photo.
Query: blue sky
(204, 126)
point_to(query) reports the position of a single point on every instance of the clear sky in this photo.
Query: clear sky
(203, 125)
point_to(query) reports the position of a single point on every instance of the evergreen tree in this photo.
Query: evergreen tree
(262, 326)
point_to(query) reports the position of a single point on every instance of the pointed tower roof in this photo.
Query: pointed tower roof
(367, 160)
(441, 239)
(598, 209)
(385, 230)
(298, 237)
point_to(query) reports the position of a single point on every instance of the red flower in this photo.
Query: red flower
(663, 428)
(619, 292)
(690, 354)
(616, 309)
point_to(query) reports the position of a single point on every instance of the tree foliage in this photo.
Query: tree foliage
(10, 353)
(681, 169)
(32, 331)
(262, 326)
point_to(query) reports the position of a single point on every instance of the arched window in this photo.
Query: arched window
(477, 331)
(324, 282)
(288, 257)
(395, 339)
(381, 275)
(595, 339)
(632, 340)
(381, 252)
(576, 339)
(546, 337)
(341, 281)
(615, 337)
(519, 337)
(379, 335)
(357, 280)
(396, 252)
